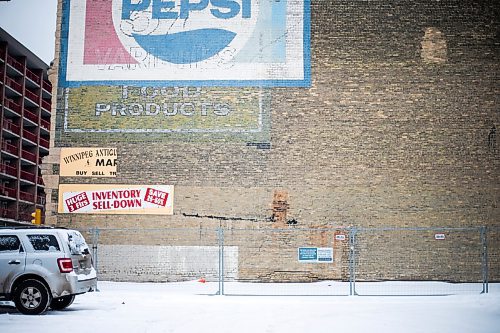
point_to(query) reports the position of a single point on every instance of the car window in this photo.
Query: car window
(77, 244)
(9, 243)
(44, 243)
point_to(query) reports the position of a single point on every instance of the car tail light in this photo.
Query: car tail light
(65, 265)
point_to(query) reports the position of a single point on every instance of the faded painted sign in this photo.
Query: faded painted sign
(88, 162)
(185, 42)
(127, 109)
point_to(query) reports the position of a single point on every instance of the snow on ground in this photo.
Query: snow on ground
(193, 307)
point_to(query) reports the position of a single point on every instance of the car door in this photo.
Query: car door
(43, 250)
(12, 260)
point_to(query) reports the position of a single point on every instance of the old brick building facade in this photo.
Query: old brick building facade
(397, 129)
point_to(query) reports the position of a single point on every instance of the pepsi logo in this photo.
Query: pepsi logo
(185, 31)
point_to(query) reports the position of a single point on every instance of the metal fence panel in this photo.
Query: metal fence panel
(424, 261)
(493, 250)
(159, 255)
(303, 261)
(273, 258)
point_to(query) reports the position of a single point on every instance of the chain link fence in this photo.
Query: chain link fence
(420, 260)
(286, 260)
(303, 261)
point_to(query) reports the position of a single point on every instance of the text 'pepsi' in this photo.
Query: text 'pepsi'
(164, 9)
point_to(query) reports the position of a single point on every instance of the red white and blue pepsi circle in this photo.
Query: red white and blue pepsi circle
(188, 33)
(188, 42)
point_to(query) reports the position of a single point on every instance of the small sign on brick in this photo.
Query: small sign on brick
(340, 237)
(315, 254)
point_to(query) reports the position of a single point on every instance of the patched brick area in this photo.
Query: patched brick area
(398, 129)
(163, 263)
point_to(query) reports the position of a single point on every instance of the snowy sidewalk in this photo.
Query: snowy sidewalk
(192, 307)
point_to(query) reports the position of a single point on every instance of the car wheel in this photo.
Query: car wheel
(63, 302)
(31, 297)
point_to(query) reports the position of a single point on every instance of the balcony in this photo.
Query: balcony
(28, 176)
(31, 95)
(8, 213)
(40, 181)
(16, 64)
(47, 86)
(31, 116)
(8, 170)
(10, 126)
(9, 148)
(44, 143)
(12, 105)
(45, 124)
(40, 200)
(28, 156)
(32, 76)
(8, 192)
(45, 105)
(14, 85)
(25, 196)
(30, 136)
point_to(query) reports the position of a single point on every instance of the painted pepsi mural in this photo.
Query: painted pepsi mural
(242, 43)
(178, 69)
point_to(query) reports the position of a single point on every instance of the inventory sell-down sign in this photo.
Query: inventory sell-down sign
(116, 199)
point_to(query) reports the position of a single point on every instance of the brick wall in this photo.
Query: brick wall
(164, 263)
(397, 129)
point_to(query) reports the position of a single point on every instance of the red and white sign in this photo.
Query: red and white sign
(76, 202)
(116, 199)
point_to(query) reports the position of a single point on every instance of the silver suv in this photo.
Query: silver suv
(42, 267)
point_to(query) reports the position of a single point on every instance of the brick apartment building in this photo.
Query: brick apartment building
(397, 128)
(25, 102)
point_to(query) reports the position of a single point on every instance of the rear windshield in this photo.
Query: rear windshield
(44, 243)
(77, 244)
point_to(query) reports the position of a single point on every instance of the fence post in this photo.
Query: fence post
(352, 260)
(95, 241)
(220, 233)
(484, 246)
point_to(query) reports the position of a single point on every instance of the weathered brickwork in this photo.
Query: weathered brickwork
(398, 129)
(164, 263)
